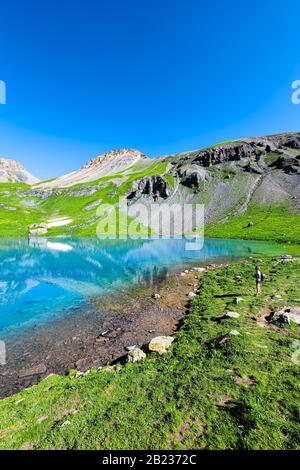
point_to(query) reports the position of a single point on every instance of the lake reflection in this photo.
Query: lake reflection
(41, 278)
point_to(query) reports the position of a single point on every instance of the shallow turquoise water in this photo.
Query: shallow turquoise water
(44, 278)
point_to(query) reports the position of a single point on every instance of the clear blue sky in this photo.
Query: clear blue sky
(162, 76)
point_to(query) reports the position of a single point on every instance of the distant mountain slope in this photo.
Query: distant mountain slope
(12, 171)
(249, 189)
(104, 165)
(229, 179)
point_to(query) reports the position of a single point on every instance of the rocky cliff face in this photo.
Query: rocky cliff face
(154, 186)
(250, 149)
(12, 171)
(221, 177)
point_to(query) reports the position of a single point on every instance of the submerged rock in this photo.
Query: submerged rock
(160, 344)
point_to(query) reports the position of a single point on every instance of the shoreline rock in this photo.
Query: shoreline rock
(160, 344)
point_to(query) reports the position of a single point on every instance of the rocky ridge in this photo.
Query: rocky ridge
(101, 166)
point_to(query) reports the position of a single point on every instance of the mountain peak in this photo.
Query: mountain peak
(128, 155)
(13, 171)
(103, 165)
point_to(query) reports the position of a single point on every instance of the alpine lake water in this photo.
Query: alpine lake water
(42, 279)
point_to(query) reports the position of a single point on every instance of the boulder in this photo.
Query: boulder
(81, 363)
(136, 355)
(286, 315)
(160, 344)
(200, 270)
(155, 296)
(234, 333)
(191, 295)
(232, 315)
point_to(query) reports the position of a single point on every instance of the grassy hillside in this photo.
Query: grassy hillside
(244, 197)
(15, 217)
(260, 222)
(212, 390)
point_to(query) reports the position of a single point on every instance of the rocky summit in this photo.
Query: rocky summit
(14, 172)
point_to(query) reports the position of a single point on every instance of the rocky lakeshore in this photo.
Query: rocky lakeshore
(100, 333)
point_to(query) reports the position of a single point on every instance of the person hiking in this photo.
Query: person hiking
(258, 279)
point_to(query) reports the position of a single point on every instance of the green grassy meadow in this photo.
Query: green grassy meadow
(260, 222)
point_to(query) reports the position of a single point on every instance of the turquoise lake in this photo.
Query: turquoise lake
(41, 279)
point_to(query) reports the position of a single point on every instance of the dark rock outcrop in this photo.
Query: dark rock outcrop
(191, 180)
(287, 164)
(190, 177)
(253, 167)
(227, 153)
(292, 142)
(154, 186)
